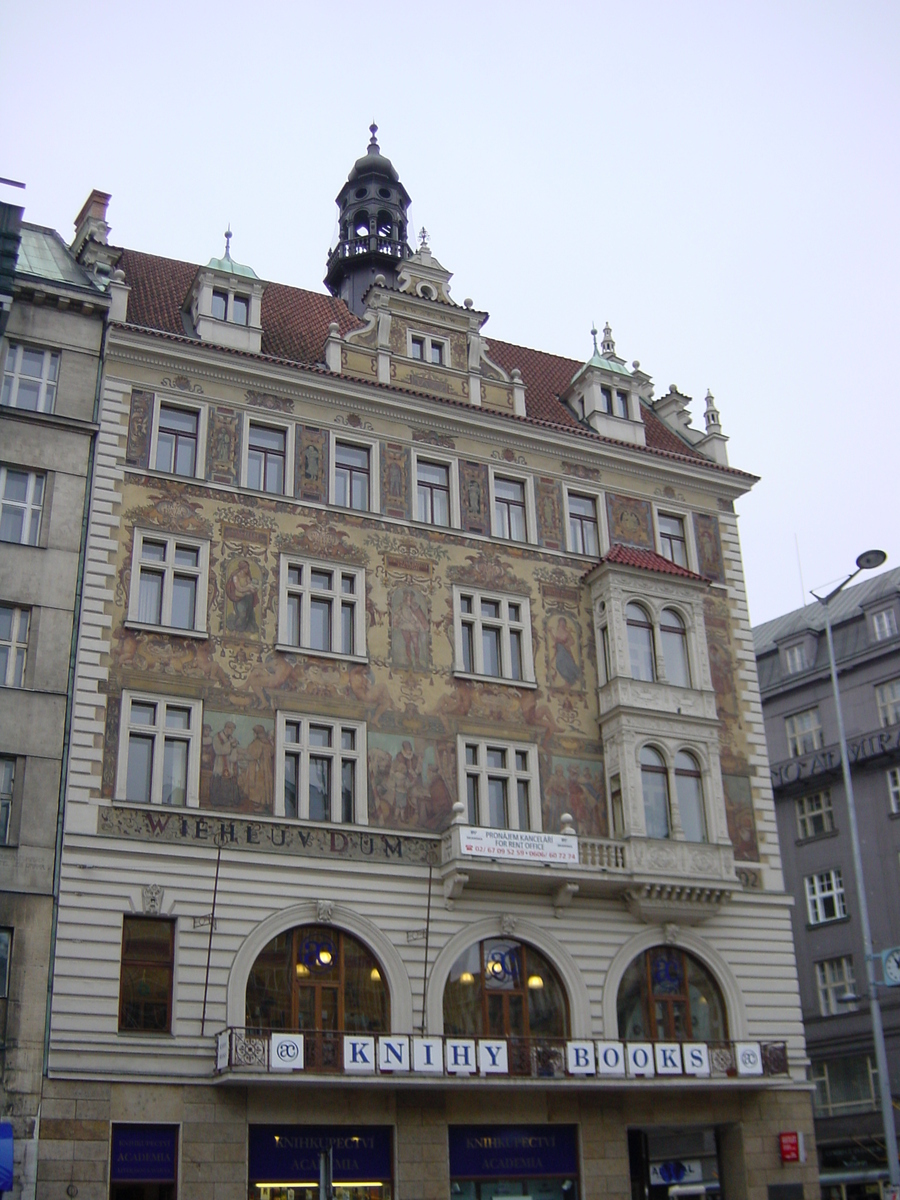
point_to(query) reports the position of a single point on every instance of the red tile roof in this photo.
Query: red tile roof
(295, 324)
(648, 560)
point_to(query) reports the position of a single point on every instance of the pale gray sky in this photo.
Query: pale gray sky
(718, 180)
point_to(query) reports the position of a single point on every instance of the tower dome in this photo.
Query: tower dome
(373, 206)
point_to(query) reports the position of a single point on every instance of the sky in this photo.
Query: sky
(719, 181)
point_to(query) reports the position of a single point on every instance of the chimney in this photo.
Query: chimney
(91, 243)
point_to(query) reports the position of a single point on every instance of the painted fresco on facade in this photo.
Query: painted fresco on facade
(473, 496)
(562, 640)
(410, 630)
(549, 511)
(242, 576)
(223, 440)
(741, 818)
(395, 481)
(137, 450)
(709, 547)
(576, 786)
(630, 521)
(311, 470)
(237, 763)
(412, 782)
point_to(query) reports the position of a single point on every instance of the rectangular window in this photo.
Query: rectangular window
(177, 431)
(493, 636)
(437, 353)
(845, 1085)
(433, 492)
(606, 399)
(825, 897)
(834, 978)
(7, 786)
(159, 751)
(417, 348)
(352, 476)
(888, 697)
(29, 378)
(501, 784)
(794, 660)
(220, 305)
(884, 624)
(169, 581)
(804, 733)
(240, 310)
(13, 645)
(146, 975)
(672, 541)
(893, 782)
(621, 407)
(424, 348)
(815, 815)
(21, 498)
(322, 608)
(583, 531)
(510, 512)
(320, 774)
(266, 455)
(5, 960)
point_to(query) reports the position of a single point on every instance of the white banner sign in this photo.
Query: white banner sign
(518, 844)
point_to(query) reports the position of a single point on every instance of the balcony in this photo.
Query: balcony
(243, 1054)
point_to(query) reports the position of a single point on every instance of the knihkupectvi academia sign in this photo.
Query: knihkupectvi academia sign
(393, 1054)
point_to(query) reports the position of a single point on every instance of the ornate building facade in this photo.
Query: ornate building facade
(418, 810)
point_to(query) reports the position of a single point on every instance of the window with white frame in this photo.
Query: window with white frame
(673, 637)
(584, 531)
(893, 782)
(501, 783)
(655, 789)
(30, 377)
(804, 733)
(513, 508)
(169, 581)
(689, 793)
(834, 978)
(5, 958)
(267, 458)
(177, 440)
(424, 347)
(884, 624)
(322, 607)
(353, 476)
(825, 897)
(7, 787)
(795, 659)
(13, 644)
(493, 635)
(641, 651)
(320, 771)
(434, 498)
(672, 540)
(888, 697)
(21, 499)
(815, 815)
(845, 1085)
(159, 750)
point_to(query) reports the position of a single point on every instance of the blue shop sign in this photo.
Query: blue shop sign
(507, 1151)
(144, 1153)
(6, 1156)
(290, 1153)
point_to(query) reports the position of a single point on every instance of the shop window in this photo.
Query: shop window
(147, 969)
(143, 1162)
(668, 995)
(321, 982)
(501, 988)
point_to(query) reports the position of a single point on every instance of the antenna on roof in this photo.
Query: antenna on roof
(228, 236)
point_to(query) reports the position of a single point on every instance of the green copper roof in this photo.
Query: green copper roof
(605, 364)
(43, 254)
(230, 267)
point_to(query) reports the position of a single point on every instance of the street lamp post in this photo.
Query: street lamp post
(866, 562)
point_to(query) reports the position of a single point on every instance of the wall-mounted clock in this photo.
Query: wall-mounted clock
(890, 966)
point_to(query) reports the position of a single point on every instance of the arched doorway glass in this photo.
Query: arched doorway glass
(320, 982)
(505, 989)
(668, 995)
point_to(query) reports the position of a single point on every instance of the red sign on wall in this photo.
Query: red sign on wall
(791, 1145)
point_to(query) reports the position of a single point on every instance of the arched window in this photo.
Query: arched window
(501, 988)
(689, 790)
(640, 643)
(655, 786)
(674, 647)
(385, 225)
(668, 995)
(320, 982)
(361, 224)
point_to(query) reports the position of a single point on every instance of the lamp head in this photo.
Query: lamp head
(870, 559)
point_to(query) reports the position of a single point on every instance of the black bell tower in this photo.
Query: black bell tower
(372, 240)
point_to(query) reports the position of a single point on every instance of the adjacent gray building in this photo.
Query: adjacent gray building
(801, 730)
(51, 335)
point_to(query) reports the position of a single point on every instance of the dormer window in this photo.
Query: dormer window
(606, 393)
(437, 353)
(417, 348)
(795, 660)
(884, 624)
(241, 310)
(621, 405)
(425, 348)
(220, 306)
